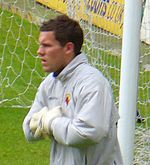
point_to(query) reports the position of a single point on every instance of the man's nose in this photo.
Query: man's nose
(40, 51)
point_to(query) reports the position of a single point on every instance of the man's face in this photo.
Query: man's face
(50, 51)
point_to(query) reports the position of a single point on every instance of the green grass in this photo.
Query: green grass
(14, 149)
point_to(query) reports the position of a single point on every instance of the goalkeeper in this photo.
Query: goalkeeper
(74, 104)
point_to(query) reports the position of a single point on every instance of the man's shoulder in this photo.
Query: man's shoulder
(91, 72)
(49, 78)
(88, 75)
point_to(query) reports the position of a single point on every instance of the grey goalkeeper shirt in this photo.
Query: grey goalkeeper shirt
(87, 134)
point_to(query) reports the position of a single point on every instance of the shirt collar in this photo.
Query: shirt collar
(68, 70)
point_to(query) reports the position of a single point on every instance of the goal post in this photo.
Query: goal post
(129, 78)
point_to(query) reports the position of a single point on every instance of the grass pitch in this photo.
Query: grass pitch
(14, 149)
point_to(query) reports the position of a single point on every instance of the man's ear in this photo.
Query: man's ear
(69, 47)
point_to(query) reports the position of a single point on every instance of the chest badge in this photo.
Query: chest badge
(68, 98)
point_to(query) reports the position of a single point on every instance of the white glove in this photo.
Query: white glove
(35, 120)
(48, 117)
(41, 121)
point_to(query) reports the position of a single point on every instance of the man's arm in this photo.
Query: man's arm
(37, 105)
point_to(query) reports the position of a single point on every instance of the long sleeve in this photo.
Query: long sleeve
(36, 106)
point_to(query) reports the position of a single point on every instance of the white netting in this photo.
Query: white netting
(20, 68)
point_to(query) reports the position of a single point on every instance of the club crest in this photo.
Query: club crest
(68, 98)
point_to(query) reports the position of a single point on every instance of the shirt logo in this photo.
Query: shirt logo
(68, 98)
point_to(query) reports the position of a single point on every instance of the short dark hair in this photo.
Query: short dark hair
(65, 30)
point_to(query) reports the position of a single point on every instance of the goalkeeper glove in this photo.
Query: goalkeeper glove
(40, 123)
(34, 124)
(48, 117)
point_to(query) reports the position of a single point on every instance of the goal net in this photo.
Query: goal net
(102, 21)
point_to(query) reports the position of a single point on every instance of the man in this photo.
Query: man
(74, 105)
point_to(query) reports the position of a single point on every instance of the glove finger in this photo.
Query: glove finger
(35, 116)
(33, 125)
(38, 133)
(41, 112)
(48, 117)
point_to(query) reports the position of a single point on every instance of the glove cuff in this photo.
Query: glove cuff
(48, 118)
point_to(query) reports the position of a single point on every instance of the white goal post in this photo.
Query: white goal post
(129, 78)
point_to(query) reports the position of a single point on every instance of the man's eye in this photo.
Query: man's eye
(45, 45)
